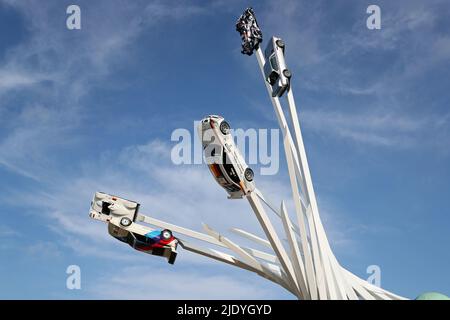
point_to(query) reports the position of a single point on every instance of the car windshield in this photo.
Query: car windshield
(105, 208)
(217, 172)
(273, 62)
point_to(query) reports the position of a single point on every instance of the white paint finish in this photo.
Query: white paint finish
(297, 260)
(272, 236)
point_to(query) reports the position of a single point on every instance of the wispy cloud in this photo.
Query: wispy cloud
(45, 81)
(44, 250)
(58, 68)
(14, 79)
(380, 129)
(7, 232)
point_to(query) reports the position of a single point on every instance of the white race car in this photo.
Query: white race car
(121, 214)
(275, 70)
(223, 158)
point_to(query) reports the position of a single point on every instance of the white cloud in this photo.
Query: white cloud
(14, 79)
(155, 283)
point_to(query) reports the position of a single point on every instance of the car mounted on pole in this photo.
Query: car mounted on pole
(250, 33)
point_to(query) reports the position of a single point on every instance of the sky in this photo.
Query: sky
(94, 109)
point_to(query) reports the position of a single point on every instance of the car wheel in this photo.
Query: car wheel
(125, 222)
(280, 43)
(248, 174)
(225, 127)
(287, 73)
(166, 234)
(173, 256)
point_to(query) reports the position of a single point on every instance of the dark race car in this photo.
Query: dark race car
(251, 35)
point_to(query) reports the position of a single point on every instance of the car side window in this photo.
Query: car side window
(229, 168)
(273, 62)
(215, 170)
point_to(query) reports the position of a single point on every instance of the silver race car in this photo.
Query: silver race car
(275, 70)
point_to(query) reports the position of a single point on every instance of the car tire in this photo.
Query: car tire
(280, 43)
(287, 73)
(248, 174)
(166, 234)
(173, 256)
(126, 222)
(224, 127)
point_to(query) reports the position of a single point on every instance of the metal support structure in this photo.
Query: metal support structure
(318, 270)
(308, 269)
(249, 259)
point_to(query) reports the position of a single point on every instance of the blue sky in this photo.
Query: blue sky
(93, 109)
